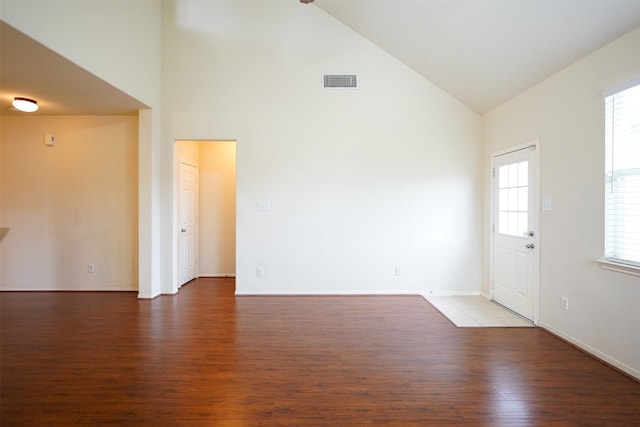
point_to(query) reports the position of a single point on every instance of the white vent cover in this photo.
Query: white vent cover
(340, 80)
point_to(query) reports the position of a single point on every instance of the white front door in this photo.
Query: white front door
(188, 223)
(515, 205)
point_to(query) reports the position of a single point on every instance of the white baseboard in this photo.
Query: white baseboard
(29, 289)
(276, 292)
(587, 348)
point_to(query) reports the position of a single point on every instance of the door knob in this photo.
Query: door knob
(529, 246)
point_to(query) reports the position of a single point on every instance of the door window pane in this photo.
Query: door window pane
(513, 175)
(523, 174)
(503, 200)
(523, 199)
(513, 199)
(513, 223)
(503, 177)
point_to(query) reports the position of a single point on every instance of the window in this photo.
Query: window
(513, 199)
(622, 176)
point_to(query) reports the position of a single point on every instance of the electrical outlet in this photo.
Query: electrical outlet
(92, 268)
(565, 303)
(259, 271)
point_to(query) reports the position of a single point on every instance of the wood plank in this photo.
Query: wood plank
(206, 357)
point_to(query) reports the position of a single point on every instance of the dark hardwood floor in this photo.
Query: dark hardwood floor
(207, 358)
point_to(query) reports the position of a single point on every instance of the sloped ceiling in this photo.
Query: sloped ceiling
(481, 52)
(31, 70)
(486, 52)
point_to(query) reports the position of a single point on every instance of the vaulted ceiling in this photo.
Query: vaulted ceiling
(29, 69)
(482, 52)
(485, 52)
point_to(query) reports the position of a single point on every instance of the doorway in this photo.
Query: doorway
(514, 237)
(188, 218)
(214, 163)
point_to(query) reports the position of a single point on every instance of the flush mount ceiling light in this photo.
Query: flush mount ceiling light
(25, 104)
(306, 1)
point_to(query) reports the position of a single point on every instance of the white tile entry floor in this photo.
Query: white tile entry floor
(475, 311)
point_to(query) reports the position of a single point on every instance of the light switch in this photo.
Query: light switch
(547, 205)
(49, 139)
(264, 205)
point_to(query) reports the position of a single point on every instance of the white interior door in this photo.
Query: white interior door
(188, 223)
(514, 259)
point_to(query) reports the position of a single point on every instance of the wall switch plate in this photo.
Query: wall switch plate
(259, 271)
(92, 268)
(547, 205)
(398, 271)
(264, 205)
(565, 303)
(49, 139)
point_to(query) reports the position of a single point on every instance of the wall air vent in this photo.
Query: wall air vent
(340, 81)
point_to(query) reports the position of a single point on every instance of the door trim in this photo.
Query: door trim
(535, 146)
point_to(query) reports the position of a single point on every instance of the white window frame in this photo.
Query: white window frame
(616, 260)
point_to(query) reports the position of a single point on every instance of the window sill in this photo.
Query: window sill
(620, 268)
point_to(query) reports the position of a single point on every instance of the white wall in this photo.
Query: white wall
(120, 42)
(217, 228)
(69, 205)
(359, 181)
(567, 113)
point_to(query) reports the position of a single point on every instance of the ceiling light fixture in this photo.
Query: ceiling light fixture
(25, 104)
(306, 1)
